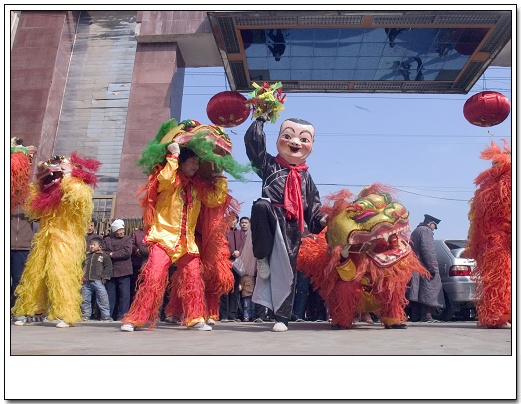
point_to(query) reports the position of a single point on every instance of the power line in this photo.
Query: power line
(359, 185)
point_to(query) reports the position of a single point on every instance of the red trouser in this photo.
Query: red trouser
(152, 283)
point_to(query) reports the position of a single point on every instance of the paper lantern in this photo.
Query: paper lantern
(487, 108)
(227, 109)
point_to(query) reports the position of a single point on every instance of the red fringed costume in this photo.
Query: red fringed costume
(490, 238)
(374, 274)
(21, 159)
(185, 219)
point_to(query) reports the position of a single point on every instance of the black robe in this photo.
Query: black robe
(274, 177)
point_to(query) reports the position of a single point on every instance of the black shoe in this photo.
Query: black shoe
(401, 326)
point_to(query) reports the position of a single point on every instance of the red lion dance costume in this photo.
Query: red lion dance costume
(21, 159)
(366, 263)
(490, 238)
(185, 220)
(61, 199)
(21, 227)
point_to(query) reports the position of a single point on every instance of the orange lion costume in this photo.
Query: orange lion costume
(363, 262)
(490, 238)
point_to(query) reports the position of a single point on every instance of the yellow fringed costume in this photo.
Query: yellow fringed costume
(51, 281)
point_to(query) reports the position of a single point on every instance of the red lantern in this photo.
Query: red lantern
(486, 108)
(227, 109)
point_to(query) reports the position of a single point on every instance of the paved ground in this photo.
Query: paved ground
(97, 338)
(447, 355)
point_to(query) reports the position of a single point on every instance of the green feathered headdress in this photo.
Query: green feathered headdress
(209, 142)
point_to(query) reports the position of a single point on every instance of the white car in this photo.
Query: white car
(458, 288)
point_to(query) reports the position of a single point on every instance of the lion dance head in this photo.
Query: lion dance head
(50, 174)
(374, 222)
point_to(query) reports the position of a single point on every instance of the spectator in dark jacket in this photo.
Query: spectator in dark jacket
(119, 248)
(229, 304)
(425, 295)
(97, 269)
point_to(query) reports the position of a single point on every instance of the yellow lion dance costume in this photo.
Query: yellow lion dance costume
(61, 199)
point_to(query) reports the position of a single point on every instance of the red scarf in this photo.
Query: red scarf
(293, 191)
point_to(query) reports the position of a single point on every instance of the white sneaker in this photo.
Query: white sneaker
(263, 268)
(128, 327)
(201, 327)
(62, 324)
(21, 320)
(279, 327)
(210, 321)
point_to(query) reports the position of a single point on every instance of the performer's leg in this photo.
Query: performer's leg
(63, 279)
(343, 303)
(212, 304)
(493, 288)
(301, 297)
(174, 307)
(391, 295)
(191, 289)
(263, 223)
(151, 286)
(292, 236)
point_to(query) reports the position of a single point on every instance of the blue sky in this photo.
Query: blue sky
(421, 144)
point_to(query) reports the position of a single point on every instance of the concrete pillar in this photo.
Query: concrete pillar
(155, 96)
(39, 64)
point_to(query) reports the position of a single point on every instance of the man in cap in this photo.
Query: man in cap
(425, 295)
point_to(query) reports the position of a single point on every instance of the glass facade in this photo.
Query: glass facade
(402, 54)
(435, 51)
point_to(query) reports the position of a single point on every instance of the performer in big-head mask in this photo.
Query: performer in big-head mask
(289, 207)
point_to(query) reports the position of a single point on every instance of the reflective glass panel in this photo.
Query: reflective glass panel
(404, 54)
